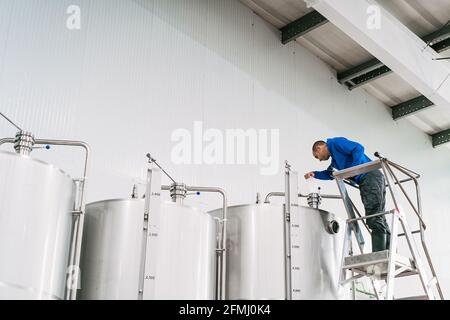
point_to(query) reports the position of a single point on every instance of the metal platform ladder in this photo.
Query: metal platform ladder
(386, 265)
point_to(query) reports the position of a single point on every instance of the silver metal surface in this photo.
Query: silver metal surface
(256, 256)
(364, 264)
(110, 258)
(10, 121)
(112, 251)
(357, 170)
(392, 265)
(152, 160)
(77, 208)
(314, 200)
(282, 194)
(221, 237)
(24, 142)
(289, 192)
(36, 203)
(178, 192)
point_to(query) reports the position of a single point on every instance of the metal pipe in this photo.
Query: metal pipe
(391, 190)
(407, 197)
(351, 183)
(416, 183)
(153, 160)
(412, 173)
(282, 194)
(333, 227)
(10, 121)
(370, 216)
(7, 140)
(287, 233)
(404, 234)
(359, 215)
(71, 293)
(415, 176)
(404, 180)
(222, 249)
(421, 226)
(323, 196)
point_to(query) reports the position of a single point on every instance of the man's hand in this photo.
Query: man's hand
(309, 175)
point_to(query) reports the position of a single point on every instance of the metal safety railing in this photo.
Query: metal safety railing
(387, 168)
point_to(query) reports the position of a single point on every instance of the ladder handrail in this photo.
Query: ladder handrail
(422, 226)
(371, 216)
(377, 164)
(388, 167)
(416, 210)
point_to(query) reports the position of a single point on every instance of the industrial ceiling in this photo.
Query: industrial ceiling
(356, 67)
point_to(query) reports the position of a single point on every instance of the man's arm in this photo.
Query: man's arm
(325, 174)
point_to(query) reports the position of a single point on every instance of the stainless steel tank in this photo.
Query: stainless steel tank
(36, 203)
(256, 255)
(112, 251)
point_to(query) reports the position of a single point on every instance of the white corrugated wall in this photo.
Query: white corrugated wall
(138, 70)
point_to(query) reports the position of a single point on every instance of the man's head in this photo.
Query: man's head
(320, 150)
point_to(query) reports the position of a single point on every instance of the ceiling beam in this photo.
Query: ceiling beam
(441, 138)
(302, 26)
(441, 46)
(359, 70)
(437, 36)
(364, 73)
(393, 44)
(367, 77)
(411, 106)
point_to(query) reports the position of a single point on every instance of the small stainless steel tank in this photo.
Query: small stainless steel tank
(112, 251)
(256, 254)
(36, 203)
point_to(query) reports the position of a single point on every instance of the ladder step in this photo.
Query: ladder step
(414, 298)
(377, 263)
(366, 259)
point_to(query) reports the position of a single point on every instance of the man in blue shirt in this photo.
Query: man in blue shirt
(346, 154)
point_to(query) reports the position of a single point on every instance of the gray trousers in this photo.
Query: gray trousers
(372, 188)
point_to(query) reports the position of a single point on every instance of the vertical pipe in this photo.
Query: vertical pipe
(353, 274)
(79, 219)
(222, 250)
(148, 190)
(218, 261)
(287, 234)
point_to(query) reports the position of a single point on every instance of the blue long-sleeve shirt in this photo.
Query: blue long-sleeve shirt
(344, 154)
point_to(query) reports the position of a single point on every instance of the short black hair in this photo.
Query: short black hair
(318, 143)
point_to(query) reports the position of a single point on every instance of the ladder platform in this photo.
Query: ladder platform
(377, 262)
(357, 170)
(414, 298)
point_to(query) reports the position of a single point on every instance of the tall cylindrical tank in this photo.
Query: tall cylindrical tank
(36, 203)
(112, 251)
(256, 255)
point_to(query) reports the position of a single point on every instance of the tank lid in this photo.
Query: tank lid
(41, 162)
